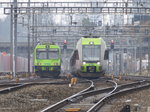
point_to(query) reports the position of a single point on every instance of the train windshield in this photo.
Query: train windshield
(53, 54)
(47, 54)
(41, 54)
(91, 52)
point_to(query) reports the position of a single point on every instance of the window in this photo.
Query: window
(47, 54)
(41, 54)
(53, 54)
(91, 52)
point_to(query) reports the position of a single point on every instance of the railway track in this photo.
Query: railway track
(135, 78)
(69, 100)
(92, 101)
(29, 80)
(13, 87)
(118, 91)
(84, 100)
(66, 101)
(17, 97)
(8, 86)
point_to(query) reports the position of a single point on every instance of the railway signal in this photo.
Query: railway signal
(65, 44)
(125, 50)
(4, 53)
(112, 44)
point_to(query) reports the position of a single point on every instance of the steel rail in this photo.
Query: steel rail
(9, 84)
(66, 101)
(115, 93)
(87, 93)
(10, 89)
(19, 86)
(97, 104)
(108, 89)
(27, 80)
(100, 91)
(95, 92)
(71, 99)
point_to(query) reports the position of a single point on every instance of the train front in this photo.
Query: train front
(91, 64)
(47, 61)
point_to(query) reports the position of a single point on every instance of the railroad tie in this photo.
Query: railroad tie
(73, 109)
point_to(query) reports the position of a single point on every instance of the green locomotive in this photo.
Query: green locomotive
(47, 60)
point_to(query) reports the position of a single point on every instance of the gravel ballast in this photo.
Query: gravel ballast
(139, 101)
(35, 98)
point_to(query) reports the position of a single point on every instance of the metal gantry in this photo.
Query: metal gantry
(83, 7)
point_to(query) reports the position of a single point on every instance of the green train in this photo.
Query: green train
(89, 59)
(47, 60)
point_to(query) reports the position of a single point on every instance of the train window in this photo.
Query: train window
(53, 49)
(91, 52)
(47, 54)
(53, 54)
(41, 55)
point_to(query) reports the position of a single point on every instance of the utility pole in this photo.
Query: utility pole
(33, 29)
(33, 34)
(28, 36)
(135, 62)
(15, 39)
(149, 56)
(11, 43)
(140, 48)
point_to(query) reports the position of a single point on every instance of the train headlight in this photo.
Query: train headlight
(55, 63)
(84, 63)
(98, 63)
(91, 43)
(38, 63)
